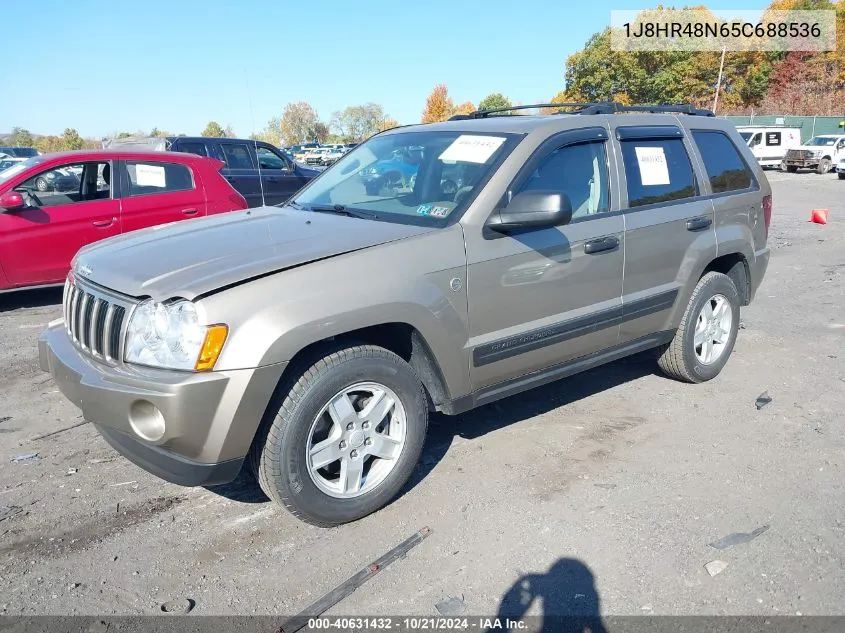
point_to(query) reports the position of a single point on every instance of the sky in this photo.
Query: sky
(106, 67)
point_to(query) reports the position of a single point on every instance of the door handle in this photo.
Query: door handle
(102, 224)
(696, 224)
(189, 211)
(601, 244)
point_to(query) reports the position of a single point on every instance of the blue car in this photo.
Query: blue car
(396, 172)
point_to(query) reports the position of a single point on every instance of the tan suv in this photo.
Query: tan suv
(312, 340)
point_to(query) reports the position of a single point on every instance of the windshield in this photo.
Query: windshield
(414, 177)
(17, 168)
(745, 136)
(822, 140)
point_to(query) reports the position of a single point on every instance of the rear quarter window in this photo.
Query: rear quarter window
(726, 169)
(145, 178)
(657, 170)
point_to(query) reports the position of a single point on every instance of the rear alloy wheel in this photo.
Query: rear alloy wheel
(705, 339)
(824, 165)
(41, 184)
(346, 438)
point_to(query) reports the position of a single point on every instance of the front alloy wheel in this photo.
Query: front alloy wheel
(356, 439)
(346, 437)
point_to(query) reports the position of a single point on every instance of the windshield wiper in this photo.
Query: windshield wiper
(339, 209)
(294, 204)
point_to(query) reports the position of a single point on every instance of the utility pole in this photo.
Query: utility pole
(719, 82)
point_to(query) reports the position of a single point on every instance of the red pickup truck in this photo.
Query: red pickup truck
(54, 204)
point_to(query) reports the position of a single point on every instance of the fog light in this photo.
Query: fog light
(146, 420)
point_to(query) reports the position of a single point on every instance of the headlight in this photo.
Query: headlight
(169, 335)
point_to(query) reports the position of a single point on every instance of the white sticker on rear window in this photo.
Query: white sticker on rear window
(149, 176)
(472, 149)
(653, 168)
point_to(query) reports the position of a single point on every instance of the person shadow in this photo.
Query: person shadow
(568, 596)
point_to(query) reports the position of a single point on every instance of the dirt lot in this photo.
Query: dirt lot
(601, 492)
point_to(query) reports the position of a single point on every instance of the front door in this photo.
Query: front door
(670, 224)
(278, 175)
(68, 207)
(543, 297)
(158, 192)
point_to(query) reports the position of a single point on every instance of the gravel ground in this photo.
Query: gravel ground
(601, 492)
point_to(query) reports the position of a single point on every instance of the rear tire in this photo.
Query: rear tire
(303, 431)
(686, 357)
(791, 169)
(841, 175)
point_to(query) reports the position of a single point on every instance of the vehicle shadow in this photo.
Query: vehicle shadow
(35, 298)
(476, 423)
(567, 597)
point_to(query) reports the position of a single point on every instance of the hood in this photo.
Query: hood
(189, 258)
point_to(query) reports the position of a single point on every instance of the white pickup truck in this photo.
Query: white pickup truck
(821, 153)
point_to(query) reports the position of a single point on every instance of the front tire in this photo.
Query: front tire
(841, 175)
(824, 165)
(346, 437)
(707, 333)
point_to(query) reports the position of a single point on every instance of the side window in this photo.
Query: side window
(657, 170)
(237, 155)
(725, 167)
(268, 159)
(579, 171)
(68, 184)
(773, 138)
(193, 148)
(148, 177)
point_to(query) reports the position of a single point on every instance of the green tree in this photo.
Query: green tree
(20, 138)
(214, 130)
(71, 139)
(356, 123)
(158, 133)
(493, 101)
(298, 123)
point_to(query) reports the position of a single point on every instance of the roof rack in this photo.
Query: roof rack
(606, 107)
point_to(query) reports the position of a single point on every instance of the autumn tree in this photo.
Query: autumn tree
(465, 108)
(298, 123)
(493, 101)
(438, 105)
(20, 138)
(388, 124)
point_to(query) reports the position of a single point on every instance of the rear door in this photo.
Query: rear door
(241, 170)
(157, 192)
(68, 207)
(669, 223)
(278, 174)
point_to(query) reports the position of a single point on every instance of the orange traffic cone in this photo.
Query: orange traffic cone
(819, 216)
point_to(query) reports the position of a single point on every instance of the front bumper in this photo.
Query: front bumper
(802, 163)
(209, 418)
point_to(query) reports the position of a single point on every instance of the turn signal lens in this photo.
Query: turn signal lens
(215, 337)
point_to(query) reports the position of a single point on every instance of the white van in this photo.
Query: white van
(769, 143)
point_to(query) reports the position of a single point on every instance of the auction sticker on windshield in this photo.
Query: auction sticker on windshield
(472, 149)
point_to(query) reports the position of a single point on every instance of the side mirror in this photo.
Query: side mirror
(533, 209)
(11, 201)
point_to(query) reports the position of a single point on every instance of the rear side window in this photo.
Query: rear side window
(193, 148)
(149, 177)
(237, 156)
(725, 167)
(657, 170)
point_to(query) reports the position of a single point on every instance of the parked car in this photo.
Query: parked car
(769, 143)
(9, 161)
(322, 156)
(19, 152)
(312, 341)
(299, 151)
(821, 153)
(840, 168)
(42, 229)
(261, 172)
(396, 172)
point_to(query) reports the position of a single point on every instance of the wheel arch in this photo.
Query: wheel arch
(735, 266)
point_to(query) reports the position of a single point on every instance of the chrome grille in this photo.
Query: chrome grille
(95, 318)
